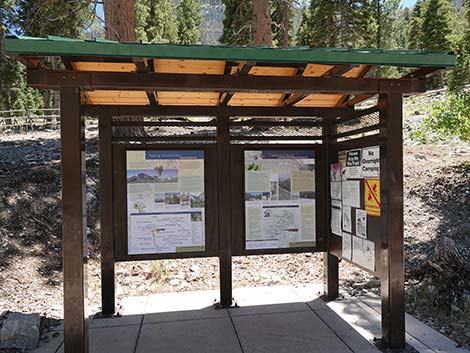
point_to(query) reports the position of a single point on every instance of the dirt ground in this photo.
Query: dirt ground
(437, 207)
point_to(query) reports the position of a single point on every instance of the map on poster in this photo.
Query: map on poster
(165, 201)
(279, 198)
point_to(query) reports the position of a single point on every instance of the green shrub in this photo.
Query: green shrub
(448, 118)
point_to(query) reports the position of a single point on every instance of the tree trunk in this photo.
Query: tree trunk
(120, 26)
(262, 34)
(119, 20)
(285, 22)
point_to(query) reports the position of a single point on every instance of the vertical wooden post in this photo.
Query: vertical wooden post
(74, 236)
(391, 193)
(106, 216)
(330, 262)
(223, 177)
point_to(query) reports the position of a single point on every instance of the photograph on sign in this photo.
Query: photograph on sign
(372, 196)
(335, 172)
(335, 190)
(351, 192)
(371, 162)
(279, 199)
(165, 201)
(336, 217)
(361, 223)
(347, 246)
(353, 168)
(347, 224)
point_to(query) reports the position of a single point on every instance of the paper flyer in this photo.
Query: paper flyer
(347, 224)
(165, 201)
(361, 223)
(336, 190)
(335, 172)
(347, 246)
(279, 198)
(357, 255)
(336, 217)
(351, 191)
(368, 253)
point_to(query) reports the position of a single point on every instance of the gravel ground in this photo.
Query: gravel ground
(437, 205)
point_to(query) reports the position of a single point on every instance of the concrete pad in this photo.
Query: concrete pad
(300, 332)
(180, 301)
(204, 313)
(51, 345)
(133, 305)
(127, 320)
(309, 292)
(265, 295)
(195, 336)
(119, 339)
(268, 309)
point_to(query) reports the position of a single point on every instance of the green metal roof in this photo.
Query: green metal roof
(59, 46)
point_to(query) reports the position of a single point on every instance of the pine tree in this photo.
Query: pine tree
(238, 22)
(156, 21)
(460, 76)
(282, 16)
(189, 21)
(323, 24)
(303, 33)
(415, 32)
(435, 25)
(262, 33)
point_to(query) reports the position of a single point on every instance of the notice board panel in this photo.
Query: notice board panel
(277, 199)
(355, 212)
(164, 201)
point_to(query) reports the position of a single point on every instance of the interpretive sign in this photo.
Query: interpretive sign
(165, 201)
(279, 198)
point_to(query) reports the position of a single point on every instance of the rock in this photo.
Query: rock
(20, 331)
(195, 268)
(420, 156)
(373, 283)
(174, 282)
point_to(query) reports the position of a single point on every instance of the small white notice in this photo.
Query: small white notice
(361, 223)
(347, 227)
(357, 256)
(336, 190)
(353, 168)
(347, 246)
(368, 254)
(351, 193)
(336, 216)
(371, 162)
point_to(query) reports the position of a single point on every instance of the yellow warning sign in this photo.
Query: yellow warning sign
(372, 196)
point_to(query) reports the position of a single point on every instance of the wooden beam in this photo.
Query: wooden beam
(218, 83)
(243, 70)
(142, 67)
(74, 230)
(161, 110)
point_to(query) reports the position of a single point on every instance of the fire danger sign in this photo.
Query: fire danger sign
(372, 196)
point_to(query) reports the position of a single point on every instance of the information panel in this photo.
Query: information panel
(279, 199)
(165, 201)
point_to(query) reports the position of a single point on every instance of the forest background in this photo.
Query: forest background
(428, 25)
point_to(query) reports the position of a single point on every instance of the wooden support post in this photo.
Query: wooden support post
(225, 241)
(330, 262)
(106, 216)
(391, 194)
(74, 236)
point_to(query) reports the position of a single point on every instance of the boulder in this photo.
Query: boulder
(20, 331)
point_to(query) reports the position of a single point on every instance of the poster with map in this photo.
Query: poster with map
(279, 199)
(165, 201)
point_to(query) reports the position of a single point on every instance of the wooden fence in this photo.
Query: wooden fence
(29, 120)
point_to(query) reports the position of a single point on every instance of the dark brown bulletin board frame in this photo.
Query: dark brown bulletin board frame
(120, 202)
(238, 198)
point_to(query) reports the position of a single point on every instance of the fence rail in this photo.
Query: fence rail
(29, 120)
